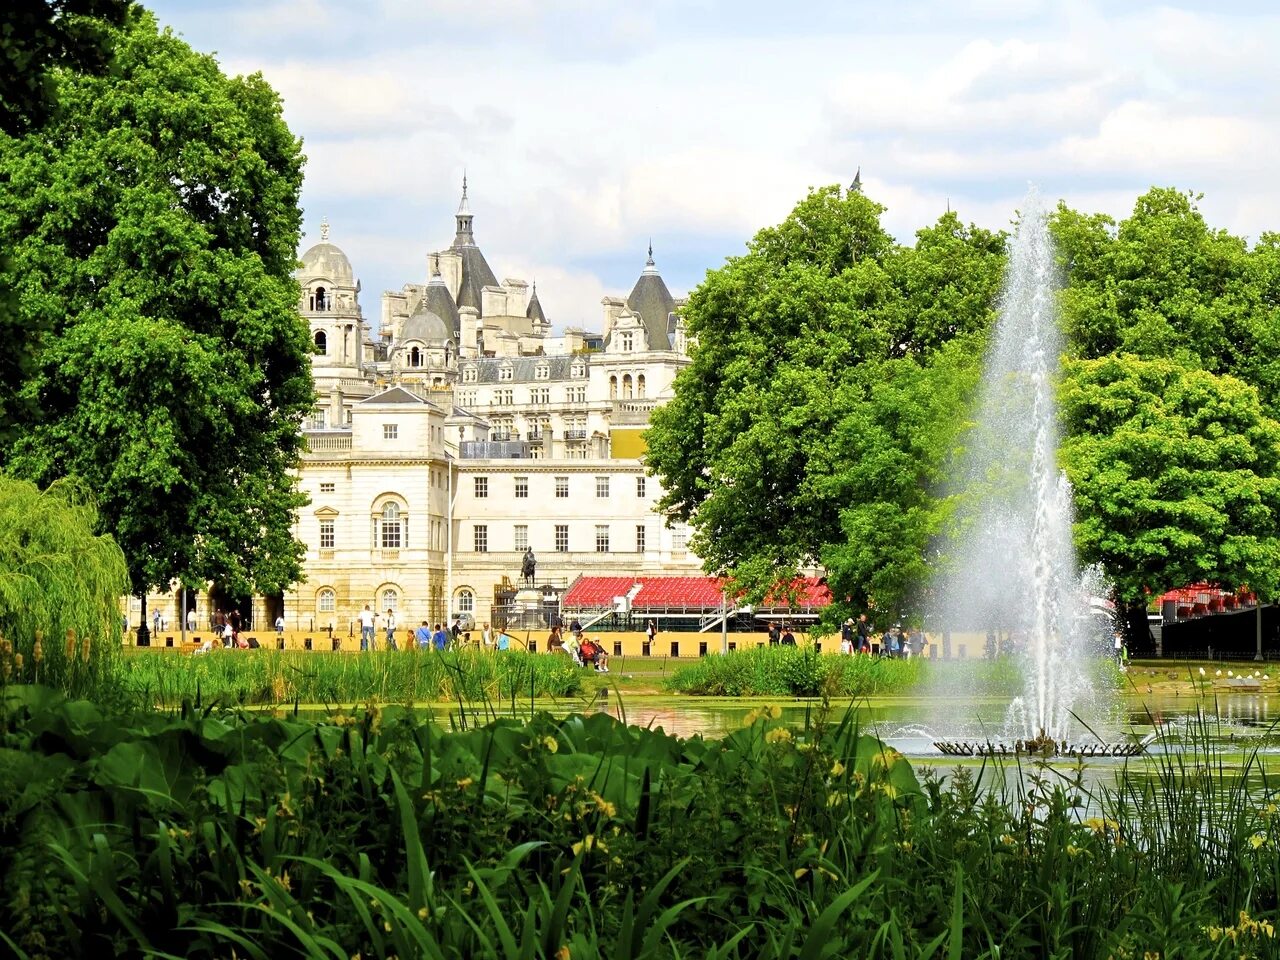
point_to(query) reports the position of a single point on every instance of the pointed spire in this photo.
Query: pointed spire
(324, 229)
(435, 268)
(463, 237)
(649, 265)
(856, 186)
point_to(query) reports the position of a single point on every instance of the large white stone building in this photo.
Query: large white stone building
(461, 433)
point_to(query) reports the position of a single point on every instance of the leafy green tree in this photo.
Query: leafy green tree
(1162, 283)
(1176, 474)
(37, 37)
(152, 224)
(57, 574)
(811, 412)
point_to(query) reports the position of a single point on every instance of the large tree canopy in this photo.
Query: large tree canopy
(833, 371)
(1171, 439)
(152, 224)
(810, 412)
(36, 38)
(1175, 475)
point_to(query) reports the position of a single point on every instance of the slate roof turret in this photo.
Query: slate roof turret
(652, 301)
(534, 312)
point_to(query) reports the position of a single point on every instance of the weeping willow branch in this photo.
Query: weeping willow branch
(59, 578)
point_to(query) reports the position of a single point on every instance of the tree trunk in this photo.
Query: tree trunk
(144, 633)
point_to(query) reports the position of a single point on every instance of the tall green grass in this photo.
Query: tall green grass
(800, 672)
(263, 677)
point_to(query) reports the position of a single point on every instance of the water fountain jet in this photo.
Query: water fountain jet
(1014, 564)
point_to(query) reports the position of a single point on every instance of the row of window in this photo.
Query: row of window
(327, 600)
(542, 371)
(624, 388)
(520, 489)
(520, 538)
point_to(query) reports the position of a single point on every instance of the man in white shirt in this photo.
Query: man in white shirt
(390, 623)
(367, 641)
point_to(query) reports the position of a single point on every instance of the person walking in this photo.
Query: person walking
(440, 638)
(280, 626)
(651, 631)
(775, 635)
(486, 637)
(191, 620)
(864, 634)
(366, 628)
(422, 636)
(390, 624)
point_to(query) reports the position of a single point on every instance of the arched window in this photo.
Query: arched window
(626, 387)
(390, 599)
(326, 600)
(390, 533)
(640, 385)
(415, 357)
(320, 299)
(466, 601)
(322, 343)
(613, 388)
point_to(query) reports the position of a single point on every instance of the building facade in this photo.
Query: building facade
(461, 434)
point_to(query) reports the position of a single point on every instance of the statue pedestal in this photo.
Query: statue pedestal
(529, 599)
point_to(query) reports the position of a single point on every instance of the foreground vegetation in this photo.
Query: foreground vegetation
(212, 835)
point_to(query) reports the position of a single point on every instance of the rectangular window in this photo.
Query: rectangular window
(522, 537)
(327, 488)
(639, 538)
(522, 488)
(602, 538)
(562, 488)
(481, 532)
(602, 487)
(562, 538)
(640, 486)
(326, 534)
(482, 487)
(390, 431)
(679, 537)
(390, 534)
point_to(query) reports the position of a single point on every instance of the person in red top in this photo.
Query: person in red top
(592, 653)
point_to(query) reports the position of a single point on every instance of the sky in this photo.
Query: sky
(588, 127)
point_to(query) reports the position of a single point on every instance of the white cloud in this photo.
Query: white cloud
(589, 127)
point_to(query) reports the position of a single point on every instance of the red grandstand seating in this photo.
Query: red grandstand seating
(700, 593)
(589, 593)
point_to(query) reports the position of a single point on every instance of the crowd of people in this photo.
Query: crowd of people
(858, 637)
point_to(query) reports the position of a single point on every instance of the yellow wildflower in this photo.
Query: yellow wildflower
(464, 783)
(1258, 840)
(775, 712)
(549, 744)
(838, 769)
(777, 735)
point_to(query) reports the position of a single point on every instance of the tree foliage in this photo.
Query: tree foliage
(1175, 474)
(815, 412)
(152, 224)
(1171, 407)
(833, 372)
(37, 37)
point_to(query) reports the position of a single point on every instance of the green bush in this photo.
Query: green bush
(795, 672)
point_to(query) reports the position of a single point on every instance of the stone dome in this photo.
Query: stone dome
(436, 318)
(328, 261)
